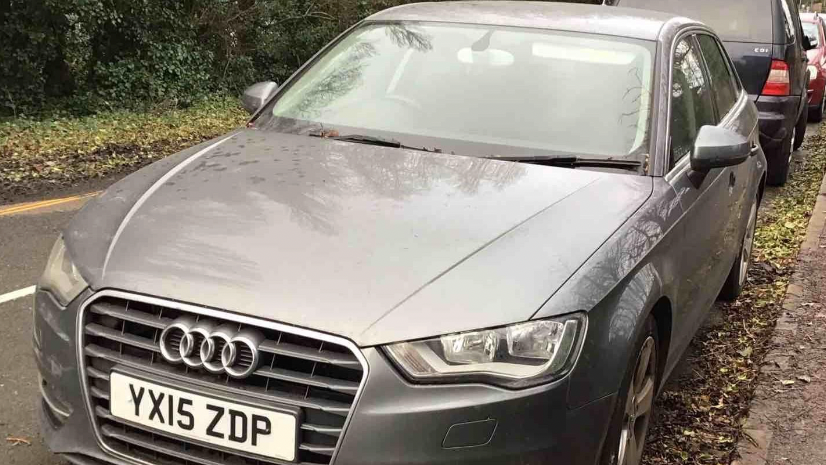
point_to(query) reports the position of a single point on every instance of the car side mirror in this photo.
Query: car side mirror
(807, 43)
(717, 147)
(256, 95)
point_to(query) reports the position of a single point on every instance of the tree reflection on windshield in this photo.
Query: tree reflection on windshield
(501, 89)
(409, 37)
(336, 84)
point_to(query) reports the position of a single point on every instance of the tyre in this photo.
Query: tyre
(740, 270)
(635, 403)
(800, 129)
(780, 161)
(816, 114)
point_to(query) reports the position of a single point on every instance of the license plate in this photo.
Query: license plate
(234, 426)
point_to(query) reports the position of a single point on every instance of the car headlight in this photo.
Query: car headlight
(516, 356)
(812, 73)
(62, 277)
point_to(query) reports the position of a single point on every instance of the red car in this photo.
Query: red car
(814, 28)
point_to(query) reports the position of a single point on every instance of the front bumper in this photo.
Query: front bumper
(394, 421)
(778, 115)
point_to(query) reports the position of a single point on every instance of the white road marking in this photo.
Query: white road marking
(14, 295)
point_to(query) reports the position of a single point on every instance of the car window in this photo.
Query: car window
(787, 20)
(691, 100)
(739, 21)
(446, 84)
(723, 81)
(811, 31)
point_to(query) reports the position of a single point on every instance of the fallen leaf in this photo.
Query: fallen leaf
(805, 378)
(746, 353)
(17, 441)
(786, 382)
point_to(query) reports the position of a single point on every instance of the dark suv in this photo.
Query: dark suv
(765, 40)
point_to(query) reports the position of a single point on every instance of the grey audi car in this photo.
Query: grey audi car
(463, 233)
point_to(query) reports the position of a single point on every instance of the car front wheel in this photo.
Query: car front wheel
(740, 270)
(635, 404)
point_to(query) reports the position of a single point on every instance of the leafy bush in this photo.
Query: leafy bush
(84, 56)
(33, 40)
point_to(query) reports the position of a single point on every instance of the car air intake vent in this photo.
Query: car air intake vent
(316, 375)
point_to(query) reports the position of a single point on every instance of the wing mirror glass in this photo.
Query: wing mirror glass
(717, 148)
(256, 95)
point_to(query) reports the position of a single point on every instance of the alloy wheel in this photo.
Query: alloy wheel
(638, 405)
(791, 146)
(748, 244)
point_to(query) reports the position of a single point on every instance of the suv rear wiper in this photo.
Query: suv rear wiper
(373, 140)
(573, 162)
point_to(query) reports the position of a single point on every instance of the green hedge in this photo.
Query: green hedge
(85, 56)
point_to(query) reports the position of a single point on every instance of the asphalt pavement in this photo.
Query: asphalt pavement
(27, 232)
(26, 237)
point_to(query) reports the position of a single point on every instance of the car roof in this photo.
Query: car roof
(594, 19)
(809, 17)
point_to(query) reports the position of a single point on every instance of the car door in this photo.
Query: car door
(734, 113)
(703, 255)
(788, 42)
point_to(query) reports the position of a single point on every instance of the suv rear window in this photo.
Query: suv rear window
(733, 20)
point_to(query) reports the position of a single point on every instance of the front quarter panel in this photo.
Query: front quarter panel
(618, 286)
(399, 423)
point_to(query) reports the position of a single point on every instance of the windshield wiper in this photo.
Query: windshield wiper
(573, 162)
(373, 140)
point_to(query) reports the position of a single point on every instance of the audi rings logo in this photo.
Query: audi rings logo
(218, 349)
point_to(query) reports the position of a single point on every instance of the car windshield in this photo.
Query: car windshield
(476, 90)
(810, 29)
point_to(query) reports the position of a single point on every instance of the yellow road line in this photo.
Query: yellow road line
(44, 203)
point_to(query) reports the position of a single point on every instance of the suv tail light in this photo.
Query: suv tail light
(778, 81)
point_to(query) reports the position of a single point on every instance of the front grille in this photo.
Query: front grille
(320, 376)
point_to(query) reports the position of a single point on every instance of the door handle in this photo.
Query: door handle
(732, 179)
(754, 149)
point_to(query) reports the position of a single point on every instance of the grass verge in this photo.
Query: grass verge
(701, 421)
(38, 155)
